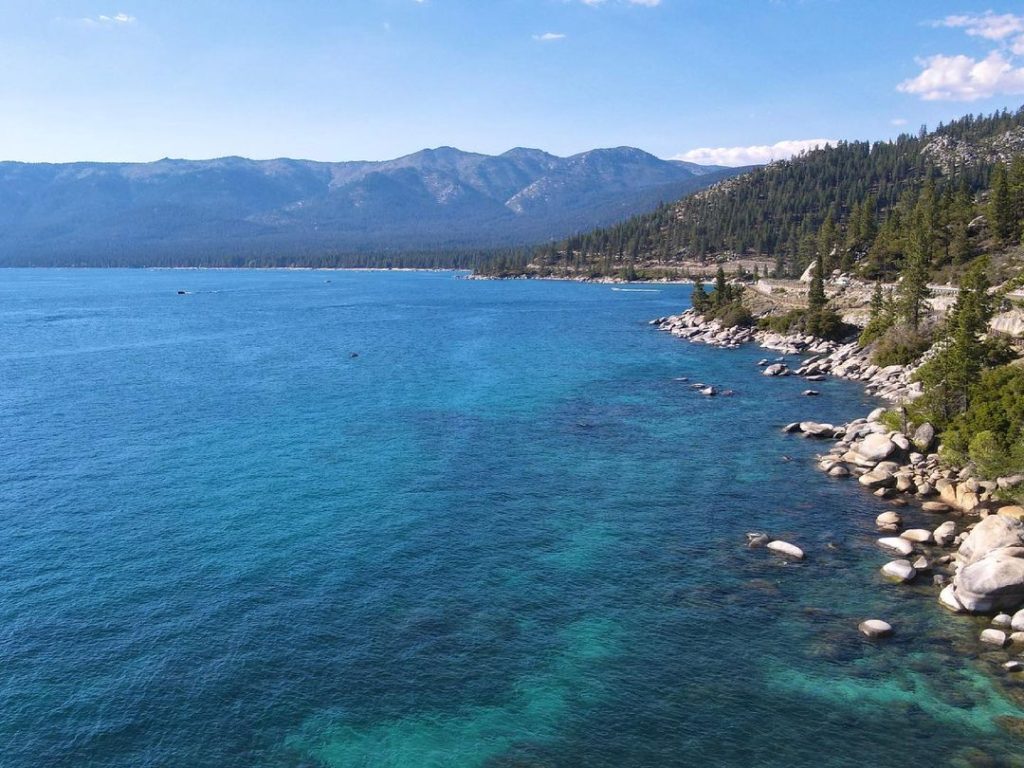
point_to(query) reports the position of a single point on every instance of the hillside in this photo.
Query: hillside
(776, 216)
(273, 212)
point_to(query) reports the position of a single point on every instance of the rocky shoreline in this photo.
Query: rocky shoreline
(973, 554)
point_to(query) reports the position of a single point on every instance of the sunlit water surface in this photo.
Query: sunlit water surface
(504, 534)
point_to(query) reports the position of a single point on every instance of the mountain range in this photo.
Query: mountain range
(238, 211)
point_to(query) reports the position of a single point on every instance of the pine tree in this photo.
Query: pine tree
(816, 293)
(1000, 205)
(699, 298)
(949, 376)
(913, 288)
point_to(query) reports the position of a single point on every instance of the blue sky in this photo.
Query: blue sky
(372, 79)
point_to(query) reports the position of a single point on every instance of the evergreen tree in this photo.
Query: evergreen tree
(721, 294)
(949, 376)
(1000, 205)
(816, 293)
(699, 298)
(913, 287)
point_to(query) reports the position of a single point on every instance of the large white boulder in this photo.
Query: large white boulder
(896, 544)
(875, 628)
(899, 570)
(786, 549)
(876, 447)
(992, 533)
(991, 583)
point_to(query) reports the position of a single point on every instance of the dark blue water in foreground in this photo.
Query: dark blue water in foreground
(503, 535)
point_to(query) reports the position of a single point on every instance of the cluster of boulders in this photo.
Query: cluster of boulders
(979, 567)
(891, 463)
(692, 326)
(849, 361)
(989, 569)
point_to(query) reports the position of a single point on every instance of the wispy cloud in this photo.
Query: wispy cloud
(965, 78)
(752, 155)
(549, 37)
(898, 121)
(103, 20)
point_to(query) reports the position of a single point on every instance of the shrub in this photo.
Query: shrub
(996, 408)
(900, 345)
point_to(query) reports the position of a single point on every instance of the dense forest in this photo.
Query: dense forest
(854, 201)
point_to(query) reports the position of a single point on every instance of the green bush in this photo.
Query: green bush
(900, 345)
(733, 314)
(996, 408)
(823, 323)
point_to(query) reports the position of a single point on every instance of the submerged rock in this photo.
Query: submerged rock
(757, 539)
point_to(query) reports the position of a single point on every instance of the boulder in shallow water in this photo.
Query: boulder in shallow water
(1002, 620)
(896, 544)
(945, 533)
(1017, 621)
(992, 583)
(817, 429)
(786, 549)
(917, 535)
(937, 507)
(838, 470)
(899, 570)
(994, 637)
(889, 520)
(877, 479)
(875, 628)
(756, 539)
(948, 599)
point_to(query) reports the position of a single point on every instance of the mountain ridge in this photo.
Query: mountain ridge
(438, 198)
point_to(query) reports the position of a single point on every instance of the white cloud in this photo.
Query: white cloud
(117, 20)
(966, 78)
(753, 155)
(899, 121)
(549, 37)
(962, 78)
(988, 25)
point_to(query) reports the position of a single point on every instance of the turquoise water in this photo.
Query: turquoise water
(502, 535)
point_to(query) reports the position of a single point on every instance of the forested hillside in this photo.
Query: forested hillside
(854, 202)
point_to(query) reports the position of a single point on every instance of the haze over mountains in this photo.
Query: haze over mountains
(237, 211)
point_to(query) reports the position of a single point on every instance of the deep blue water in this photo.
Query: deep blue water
(503, 535)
